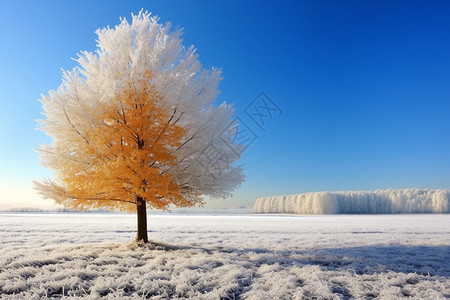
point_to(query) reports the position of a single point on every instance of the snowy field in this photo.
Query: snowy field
(225, 257)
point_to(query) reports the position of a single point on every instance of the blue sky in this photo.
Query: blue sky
(364, 87)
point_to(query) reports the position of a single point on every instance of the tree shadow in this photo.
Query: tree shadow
(422, 260)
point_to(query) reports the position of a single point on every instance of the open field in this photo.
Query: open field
(225, 257)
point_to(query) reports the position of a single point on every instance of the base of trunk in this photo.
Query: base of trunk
(141, 220)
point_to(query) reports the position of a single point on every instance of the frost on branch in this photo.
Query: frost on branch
(133, 120)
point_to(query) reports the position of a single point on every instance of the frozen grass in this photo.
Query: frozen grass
(225, 257)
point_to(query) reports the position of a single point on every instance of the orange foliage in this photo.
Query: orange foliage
(128, 147)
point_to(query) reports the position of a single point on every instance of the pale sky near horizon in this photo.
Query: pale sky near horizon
(363, 87)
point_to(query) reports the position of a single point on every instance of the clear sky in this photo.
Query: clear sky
(364, 87)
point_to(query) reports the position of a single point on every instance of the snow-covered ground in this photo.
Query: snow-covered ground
(225, 257)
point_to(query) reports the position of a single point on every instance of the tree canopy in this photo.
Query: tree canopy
(133, 121)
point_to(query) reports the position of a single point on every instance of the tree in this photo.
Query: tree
(134, 124)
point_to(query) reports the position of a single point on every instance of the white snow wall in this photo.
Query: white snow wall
(358, 202)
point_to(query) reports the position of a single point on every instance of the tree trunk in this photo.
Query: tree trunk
(141, 220)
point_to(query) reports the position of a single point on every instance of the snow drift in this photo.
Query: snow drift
(358, 202)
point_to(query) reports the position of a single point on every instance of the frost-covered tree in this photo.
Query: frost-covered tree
(134, 126)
